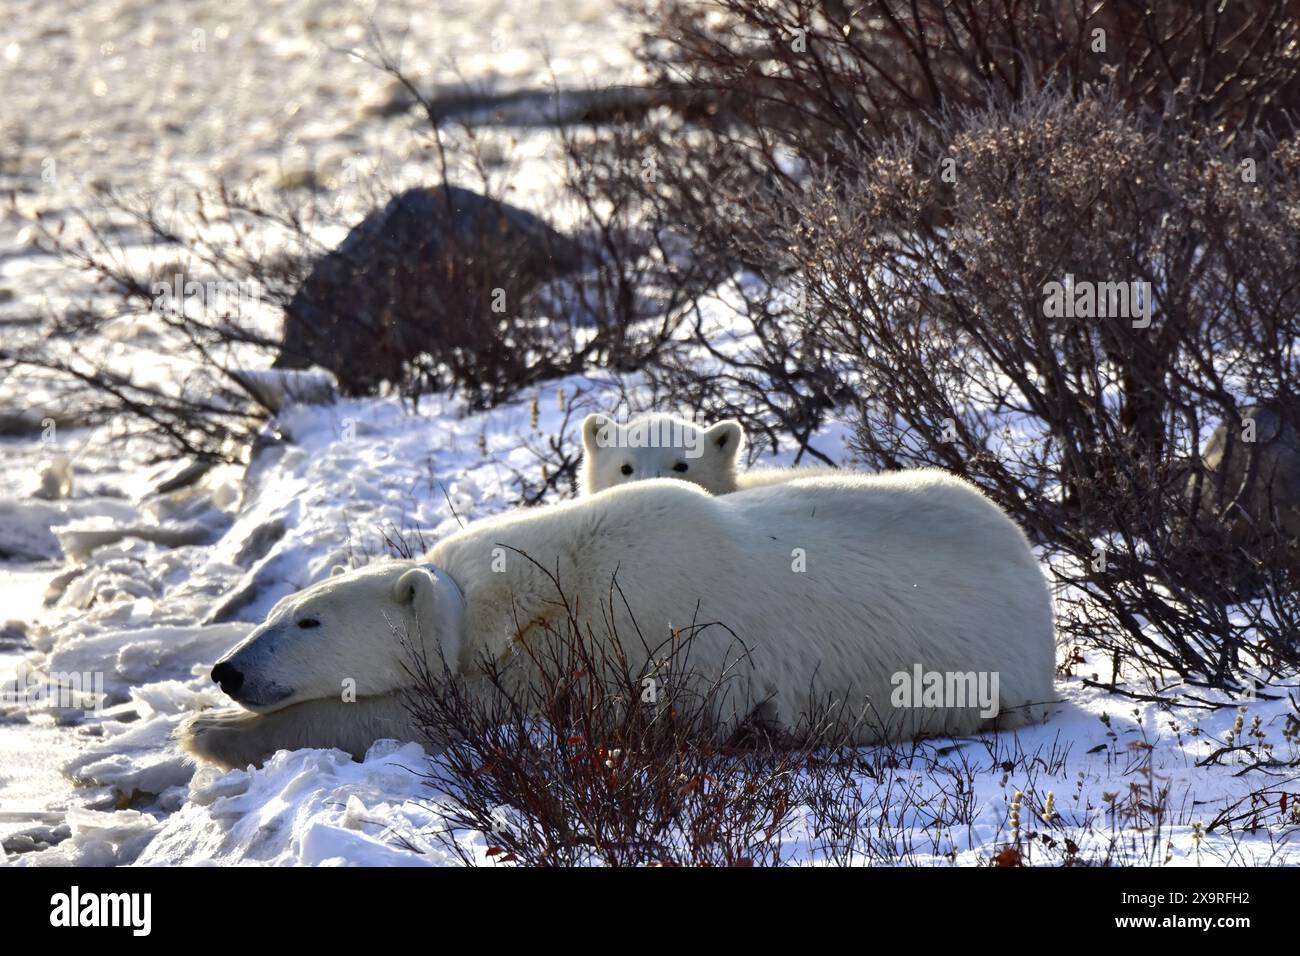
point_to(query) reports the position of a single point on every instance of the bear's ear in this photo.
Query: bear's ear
(438, 606)
(597, 431)
(726, 437)
(338, 569)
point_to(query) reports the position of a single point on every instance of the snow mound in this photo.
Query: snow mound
(98, 839)
(307, 807)
(132, 658)
(27, 527)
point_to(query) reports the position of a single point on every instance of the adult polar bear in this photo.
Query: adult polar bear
(902, 570)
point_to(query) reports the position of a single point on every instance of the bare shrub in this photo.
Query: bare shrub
(555, 455)
(1088, 430)
(828, 79)
(592, 761)
(437, 290)
(192, 286)
(786, 86)
(581, 765)
(596, 761)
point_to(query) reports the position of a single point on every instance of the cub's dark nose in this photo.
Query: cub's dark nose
(228, 678)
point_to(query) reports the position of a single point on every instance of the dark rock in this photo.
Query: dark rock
(419, 278)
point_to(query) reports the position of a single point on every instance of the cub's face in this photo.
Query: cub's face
(659, 446)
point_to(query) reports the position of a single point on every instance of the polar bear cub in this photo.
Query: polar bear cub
(659, 446)
(665, 446)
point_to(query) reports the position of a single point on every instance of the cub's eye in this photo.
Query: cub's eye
(626, 469)
(680, 466)
(309, 622)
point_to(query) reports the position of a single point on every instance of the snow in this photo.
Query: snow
(356, 471)
(152, 659)
(312, 807)
(146, 589)
(346, 481)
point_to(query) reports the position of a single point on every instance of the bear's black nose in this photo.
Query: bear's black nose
(229, 678)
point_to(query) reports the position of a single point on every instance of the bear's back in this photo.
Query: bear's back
(925, 502)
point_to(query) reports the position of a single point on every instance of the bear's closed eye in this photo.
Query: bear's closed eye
(309, 622)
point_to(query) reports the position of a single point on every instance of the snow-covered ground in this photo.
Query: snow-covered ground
(128, 95)
(350, 474)
(147, 590)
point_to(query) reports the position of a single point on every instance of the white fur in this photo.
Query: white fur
(901, 569)
(659, 446)
(708, 454)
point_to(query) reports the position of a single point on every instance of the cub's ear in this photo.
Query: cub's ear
(439, 610)
(338, 569)
(726, 437)
(597, 430)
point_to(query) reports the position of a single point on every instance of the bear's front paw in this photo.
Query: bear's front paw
(228, 738)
